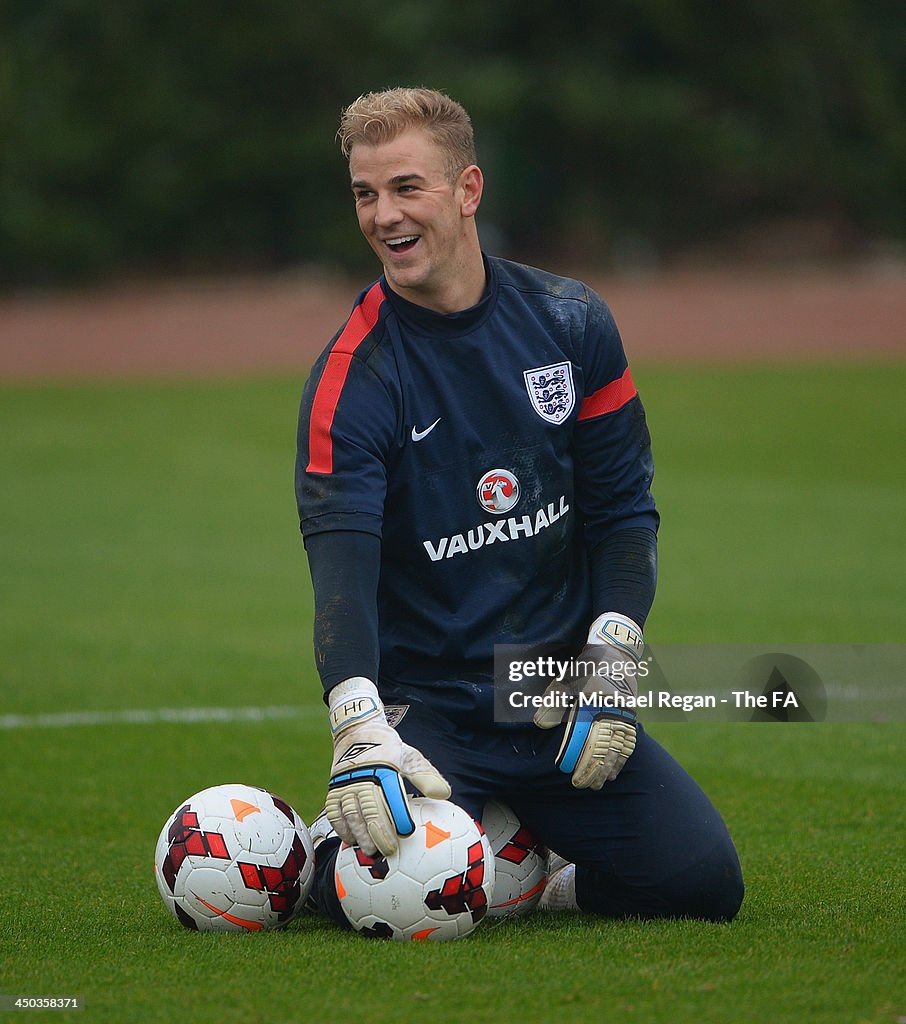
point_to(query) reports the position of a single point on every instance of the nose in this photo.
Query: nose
(387, 211)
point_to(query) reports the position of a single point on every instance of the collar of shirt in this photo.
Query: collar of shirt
(450, 325)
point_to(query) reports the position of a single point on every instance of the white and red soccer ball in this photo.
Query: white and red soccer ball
(437, 886)
(234, 858)
(520, 863)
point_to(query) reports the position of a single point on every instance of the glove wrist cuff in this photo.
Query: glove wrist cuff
(618, 631)
(352, 702)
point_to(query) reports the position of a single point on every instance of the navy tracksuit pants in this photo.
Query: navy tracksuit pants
(649, 844)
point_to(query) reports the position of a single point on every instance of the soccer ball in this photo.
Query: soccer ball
(437, 886)
(234, 858)
(520, 863)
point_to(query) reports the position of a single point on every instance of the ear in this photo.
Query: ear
(471, 185)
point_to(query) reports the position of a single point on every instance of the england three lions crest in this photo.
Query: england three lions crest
(551, 391)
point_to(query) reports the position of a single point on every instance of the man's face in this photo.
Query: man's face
(419, 224)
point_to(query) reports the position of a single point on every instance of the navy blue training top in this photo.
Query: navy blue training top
(490, 450)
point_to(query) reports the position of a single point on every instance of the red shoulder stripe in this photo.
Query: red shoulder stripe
(611, 397)
(359, 325)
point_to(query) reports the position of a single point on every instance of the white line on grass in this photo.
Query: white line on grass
(151, 716)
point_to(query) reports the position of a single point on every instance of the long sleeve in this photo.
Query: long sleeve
(624, 573)
(345, 568)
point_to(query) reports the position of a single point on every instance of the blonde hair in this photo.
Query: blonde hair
(379, 117)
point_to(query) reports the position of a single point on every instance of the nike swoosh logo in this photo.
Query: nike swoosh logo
(252, 926)
(420, 435)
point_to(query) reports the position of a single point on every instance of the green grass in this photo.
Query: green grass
(781, 492)
(150, 558)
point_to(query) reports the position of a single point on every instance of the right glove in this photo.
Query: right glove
(598, 740)
(366, 802)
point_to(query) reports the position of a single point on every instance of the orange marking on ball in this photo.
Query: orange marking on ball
(434, 835)
(242, 809)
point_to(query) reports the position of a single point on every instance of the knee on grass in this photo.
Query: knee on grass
(712, 889)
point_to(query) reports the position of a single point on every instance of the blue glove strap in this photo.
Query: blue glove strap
(391, 784)
(578, 728)
(578, 733)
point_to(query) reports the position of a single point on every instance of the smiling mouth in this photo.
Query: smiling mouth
(402, 245)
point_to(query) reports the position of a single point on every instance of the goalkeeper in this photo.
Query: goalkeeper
(474, 469)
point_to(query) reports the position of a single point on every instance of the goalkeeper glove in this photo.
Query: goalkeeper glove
(601, 729)
(366, 802)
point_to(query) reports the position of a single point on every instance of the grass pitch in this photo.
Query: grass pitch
(150, 559)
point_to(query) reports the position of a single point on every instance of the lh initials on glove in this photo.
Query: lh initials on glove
(600, 721)
(366, 802)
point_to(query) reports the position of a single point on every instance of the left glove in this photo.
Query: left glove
(366, 802)
(600, 719)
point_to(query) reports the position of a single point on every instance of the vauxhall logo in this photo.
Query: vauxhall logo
(498, 492)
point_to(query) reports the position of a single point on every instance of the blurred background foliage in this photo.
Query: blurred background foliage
(162, 137)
